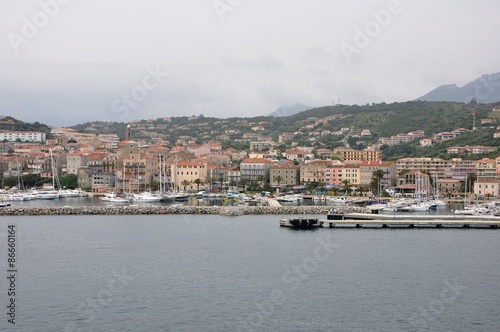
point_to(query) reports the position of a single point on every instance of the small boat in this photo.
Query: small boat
(47, 194)
(146, 197)
(287, 199)
(118, 200)
(377, 207)
(339, 200)
(181, 196)
(113, 198)
(17, 197)
(301, 223)
(407, 208)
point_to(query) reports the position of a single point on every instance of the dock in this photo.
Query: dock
(367, 220)
(273, 202)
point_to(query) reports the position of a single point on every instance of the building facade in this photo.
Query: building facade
(284, 176)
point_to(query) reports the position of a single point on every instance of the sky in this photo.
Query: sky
(65, 62)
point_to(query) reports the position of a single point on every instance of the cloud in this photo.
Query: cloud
(261, 56)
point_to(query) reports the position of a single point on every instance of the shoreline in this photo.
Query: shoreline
(139, 210)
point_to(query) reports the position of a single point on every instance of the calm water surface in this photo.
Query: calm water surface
(212, 273)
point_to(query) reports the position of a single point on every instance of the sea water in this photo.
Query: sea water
(213, 273)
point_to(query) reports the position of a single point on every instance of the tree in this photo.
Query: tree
(197, 181)
(185, 183)
(347, 187)
(221, 180)
(31, 180)
(377, 175)
(361, 190)
(403, 172)
(154, 185)
(69, 181)
(10, 181)
(278, 178)
(469, 182)
(261, 179)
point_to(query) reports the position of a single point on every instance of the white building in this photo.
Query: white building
(24, 136)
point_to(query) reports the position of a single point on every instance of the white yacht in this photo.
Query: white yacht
(146, 197)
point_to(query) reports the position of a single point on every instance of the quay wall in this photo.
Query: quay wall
(136, 210)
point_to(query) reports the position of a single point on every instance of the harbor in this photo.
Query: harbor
(367, 220)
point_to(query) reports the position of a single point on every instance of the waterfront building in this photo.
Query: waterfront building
(314, 171)
(103, 180)
(352, 172)
(414, 183)
(184, 174)
(446, 186)
(284, 175)
(256, 169)
(233, 175)
(366, 170)
(333, 173)
(216, 176)
(487, 187)
(139, 171)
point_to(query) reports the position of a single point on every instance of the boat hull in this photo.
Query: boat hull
(301, 223)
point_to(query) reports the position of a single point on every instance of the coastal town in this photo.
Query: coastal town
(146, 161)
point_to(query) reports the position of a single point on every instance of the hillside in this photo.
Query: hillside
(485, 89)
(383, 120)
(8, 123)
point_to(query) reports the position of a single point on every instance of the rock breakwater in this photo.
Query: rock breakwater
(135, 210)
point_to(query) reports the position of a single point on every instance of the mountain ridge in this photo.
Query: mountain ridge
(289, 110)
(484, 89)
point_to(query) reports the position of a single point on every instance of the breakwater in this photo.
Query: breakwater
(131, 210)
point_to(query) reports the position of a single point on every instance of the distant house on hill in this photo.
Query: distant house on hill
(424, 142)
(444, 136)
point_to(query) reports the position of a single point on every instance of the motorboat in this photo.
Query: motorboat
(181, 196)
(146, 197)
(113, 198)
(301, 223)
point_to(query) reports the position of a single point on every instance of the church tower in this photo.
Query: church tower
(127, 133)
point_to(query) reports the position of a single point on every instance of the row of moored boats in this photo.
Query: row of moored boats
(46, 193)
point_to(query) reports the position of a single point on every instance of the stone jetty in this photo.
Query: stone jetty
(176, 209)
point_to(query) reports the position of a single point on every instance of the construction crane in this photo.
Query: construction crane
(473, 121)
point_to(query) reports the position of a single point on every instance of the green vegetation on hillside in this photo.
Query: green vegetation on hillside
(19, 125)
(383, 120)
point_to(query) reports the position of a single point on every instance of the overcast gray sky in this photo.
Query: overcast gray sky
(64, 62)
